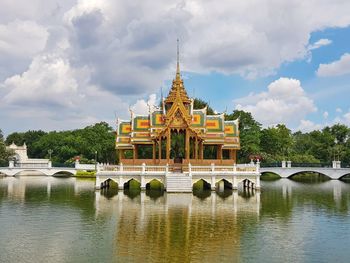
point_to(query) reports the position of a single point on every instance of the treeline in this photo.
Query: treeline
(67, 145)
(272, 144)
(278, 143)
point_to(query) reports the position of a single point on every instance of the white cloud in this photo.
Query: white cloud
(14, 34)
(320, 43)
(339, 110)
(346, 118)
(52, 52)
(50, 79)
(335, 68)
(142, 107)
(308, 126)
(284, 102)
(325, 115)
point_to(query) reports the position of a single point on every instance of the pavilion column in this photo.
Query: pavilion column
(160, 149)
(187, 145)
(219, 152)
(121, 155)
(201, 147)
(168, 142)
(154, 152)
(231, 154)
(135, 152)
(196, 148)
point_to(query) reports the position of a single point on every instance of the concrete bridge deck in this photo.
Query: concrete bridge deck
(287, 170)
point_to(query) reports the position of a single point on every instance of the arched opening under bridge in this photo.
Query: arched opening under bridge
(132, 188)
(109, 188)
(345, 178)
(201, 189)
(309, 177)
(269, 176)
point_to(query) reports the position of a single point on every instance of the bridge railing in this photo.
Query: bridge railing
(319, 165)
(191, 169)
(31, 165)
(293, 164)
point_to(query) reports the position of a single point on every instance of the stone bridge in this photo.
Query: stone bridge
(13, 171)
(45, 168)
(287, 170)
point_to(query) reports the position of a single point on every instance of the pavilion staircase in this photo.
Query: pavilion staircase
(178, 182)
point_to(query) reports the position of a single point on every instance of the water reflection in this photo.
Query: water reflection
(76, 223)
(178, 226)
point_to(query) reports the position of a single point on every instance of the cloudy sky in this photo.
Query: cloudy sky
(66, 64)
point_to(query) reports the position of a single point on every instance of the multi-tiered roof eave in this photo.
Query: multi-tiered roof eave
(178, 115)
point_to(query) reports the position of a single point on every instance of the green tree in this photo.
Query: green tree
(250, 132)
(200, 104)
(4, 153)
(66, 145)
(276, 143)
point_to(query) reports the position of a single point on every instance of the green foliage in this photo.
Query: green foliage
(250, 133)
(87, 174)
(4, 154)
(270, 177)
(68, 144)
(200, 104)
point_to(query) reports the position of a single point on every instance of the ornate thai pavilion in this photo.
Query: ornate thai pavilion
(177, 132)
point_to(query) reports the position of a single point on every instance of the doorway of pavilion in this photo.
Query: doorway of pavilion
(177, 147)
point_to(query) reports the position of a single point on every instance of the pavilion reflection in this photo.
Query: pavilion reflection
(178, 226)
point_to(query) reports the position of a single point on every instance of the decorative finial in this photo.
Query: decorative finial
(178, 61)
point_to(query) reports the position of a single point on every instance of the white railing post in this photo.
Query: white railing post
(257, 183)
(283, 164)
(121, 168)
(11, 164)
(289, 164)
(338, 164)
(234, 168)
(212, 168)
(258, 166)
(166, 169)
(334, 164)
(189, 169)
(49, 164)
(76, 164)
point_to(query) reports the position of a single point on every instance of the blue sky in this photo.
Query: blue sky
(67, 64)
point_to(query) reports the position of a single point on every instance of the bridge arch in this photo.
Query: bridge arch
(345, 177)
(201, 184)
(68, 173)
(223, 184)
(155, 184)
(132, 184)
(309, 175)
(106, 183)
(269, 175)
(28, 171)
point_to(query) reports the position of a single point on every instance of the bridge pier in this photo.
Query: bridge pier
(213, 181)
(98, 183)
(234, 183)
(143, 183)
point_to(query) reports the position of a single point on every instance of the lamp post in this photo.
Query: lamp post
(95, 160)
(50, 152)
(335, 148)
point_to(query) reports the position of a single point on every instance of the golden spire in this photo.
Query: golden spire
(178, 62)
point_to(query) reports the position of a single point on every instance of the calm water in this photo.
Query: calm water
(45, 219)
